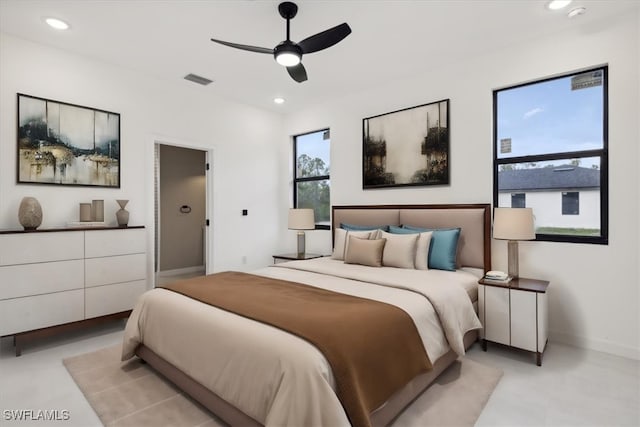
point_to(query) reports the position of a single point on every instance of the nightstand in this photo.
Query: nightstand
(515, 314)
(294, 257)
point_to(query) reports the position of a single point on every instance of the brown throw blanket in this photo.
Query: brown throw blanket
(374, 348)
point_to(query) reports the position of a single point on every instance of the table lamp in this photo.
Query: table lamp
(301, 219)
(513, 224)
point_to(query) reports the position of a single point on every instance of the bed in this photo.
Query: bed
(251, 373)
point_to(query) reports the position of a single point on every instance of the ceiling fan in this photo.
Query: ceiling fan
(289, 53)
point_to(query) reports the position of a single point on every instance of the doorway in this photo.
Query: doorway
(180, 213)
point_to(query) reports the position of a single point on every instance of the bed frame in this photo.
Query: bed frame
(474, 250)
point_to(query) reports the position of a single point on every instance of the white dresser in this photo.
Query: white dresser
(55, 279)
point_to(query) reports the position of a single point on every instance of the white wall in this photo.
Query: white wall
(245, 142)
(547, 207)
(594, 298)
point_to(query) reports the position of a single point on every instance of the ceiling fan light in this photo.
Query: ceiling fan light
(288, 59)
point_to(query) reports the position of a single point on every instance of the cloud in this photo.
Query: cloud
(532, 113)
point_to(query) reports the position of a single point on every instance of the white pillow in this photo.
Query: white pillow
(341, 241)
(422, 250)
(400, 250)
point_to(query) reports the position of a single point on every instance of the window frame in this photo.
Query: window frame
(297, 180)
(602, 153)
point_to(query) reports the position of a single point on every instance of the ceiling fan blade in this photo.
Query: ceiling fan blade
(245, 47)
(325, 39)
(297, 73)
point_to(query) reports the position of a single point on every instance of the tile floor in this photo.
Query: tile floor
(573, 387)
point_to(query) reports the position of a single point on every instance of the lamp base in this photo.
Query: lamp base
(512, 259)
(301, 244)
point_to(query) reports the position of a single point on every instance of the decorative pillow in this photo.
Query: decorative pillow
(400, 250)
(365, 252)
(341, 241)
(422, 245)
(354, 227)
(444, 247)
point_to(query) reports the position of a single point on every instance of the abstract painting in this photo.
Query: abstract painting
(409, 147)
(61, 143)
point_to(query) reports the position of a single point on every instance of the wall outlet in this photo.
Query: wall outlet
(244, 259)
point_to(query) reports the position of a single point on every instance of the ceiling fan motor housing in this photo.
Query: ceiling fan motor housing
(287, 48)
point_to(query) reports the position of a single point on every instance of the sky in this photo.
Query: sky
(549, 117)
(314, 146)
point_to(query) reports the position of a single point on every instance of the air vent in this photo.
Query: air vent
(198, 79)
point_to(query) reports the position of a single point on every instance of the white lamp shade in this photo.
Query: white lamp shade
(513, 224)
(301, 219)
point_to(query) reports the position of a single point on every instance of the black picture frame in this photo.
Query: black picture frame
(408, 147)
(66, 144)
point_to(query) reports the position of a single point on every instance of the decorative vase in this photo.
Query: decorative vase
(85, 212)
(122, 215)
(97, 210)
(30, 213)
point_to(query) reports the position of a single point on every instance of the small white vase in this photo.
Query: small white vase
(30, 213)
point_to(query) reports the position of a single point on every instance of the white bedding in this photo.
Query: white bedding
(278, 378)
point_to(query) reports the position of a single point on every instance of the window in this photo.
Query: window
(311, 182)
(518, 200)
(550, 148)
(570, 203)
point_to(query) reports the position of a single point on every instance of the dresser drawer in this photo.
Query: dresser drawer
(100, 243)
(40, 311)
(115, 269)
(102, 300)
(25, 248)
(43, 278)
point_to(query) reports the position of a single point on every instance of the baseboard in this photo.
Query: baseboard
(180, 271)
(596, 345)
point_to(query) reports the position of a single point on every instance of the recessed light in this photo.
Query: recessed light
(558, 4)
(278, 100)
(56, 23)
(576, 12)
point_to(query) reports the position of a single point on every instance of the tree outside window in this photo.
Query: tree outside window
(312, 185)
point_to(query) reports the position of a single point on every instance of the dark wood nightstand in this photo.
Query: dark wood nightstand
(515, 314)
(295, 257)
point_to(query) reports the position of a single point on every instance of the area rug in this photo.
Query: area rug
(132, 394)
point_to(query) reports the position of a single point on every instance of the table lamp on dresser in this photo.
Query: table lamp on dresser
(513, 224)
(300, 220)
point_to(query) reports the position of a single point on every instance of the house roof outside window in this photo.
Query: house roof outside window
(562, 177)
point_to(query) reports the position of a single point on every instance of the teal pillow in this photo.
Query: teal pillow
(353, 227)
(394, 229)
(444, 246)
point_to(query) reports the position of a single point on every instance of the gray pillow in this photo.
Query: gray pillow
(342, 241)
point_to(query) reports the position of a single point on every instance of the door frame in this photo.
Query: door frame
(154, 141)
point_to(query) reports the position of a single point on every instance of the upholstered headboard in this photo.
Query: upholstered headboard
(474, 245)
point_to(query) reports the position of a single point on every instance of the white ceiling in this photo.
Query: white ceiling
(391, 39)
